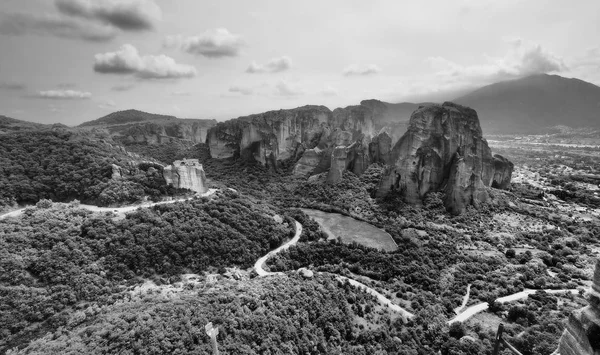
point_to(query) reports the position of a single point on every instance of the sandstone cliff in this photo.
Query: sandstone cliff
(186, 174)
(443, 150)
(503, 169)
(309, 132)
(582, 334)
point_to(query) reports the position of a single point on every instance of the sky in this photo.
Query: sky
(71, 61)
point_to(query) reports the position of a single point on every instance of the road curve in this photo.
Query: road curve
(459, 309)
(123, 210)
(480, 307)
(258, 266)
(381, 298)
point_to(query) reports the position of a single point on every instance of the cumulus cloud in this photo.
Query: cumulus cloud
(57, 26)
(356, 69)
(127, 15)
(214, 43)
(274, 65)
(127, 60)
(12, 86)
(241, 90)
(522, 59)
(284, 88)
(64, 95)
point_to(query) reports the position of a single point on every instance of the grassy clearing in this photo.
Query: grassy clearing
(351, 230)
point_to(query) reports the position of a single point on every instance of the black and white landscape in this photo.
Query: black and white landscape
(342, 177)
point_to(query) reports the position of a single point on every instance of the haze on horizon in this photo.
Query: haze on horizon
(71, 61)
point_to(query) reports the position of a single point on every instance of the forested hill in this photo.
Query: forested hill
(8, 125)
(62, 165)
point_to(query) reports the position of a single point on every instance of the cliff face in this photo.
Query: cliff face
(503, 169)
(270, 136)
(443, 150)
(582, 334)
(186, 174)
(309, 132)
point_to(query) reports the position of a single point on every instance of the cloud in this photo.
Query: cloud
(242, 90)
(122, 87)
(284, 88)
(274, 65)
(214, 43)
(64, 95)
(355, 69)
(127, 60)
(127, 15)
(329, 91)
(12, 86)
(52, 25)
(521, 60)
(107, 104)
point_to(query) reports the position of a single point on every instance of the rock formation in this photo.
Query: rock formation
(503, 169)
(186, 174)
(443, 150)
(309, 132)
(582, 334)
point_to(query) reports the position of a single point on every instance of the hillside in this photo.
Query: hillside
(534, 103)
(133, 127)
(62, 165)
(8, 125)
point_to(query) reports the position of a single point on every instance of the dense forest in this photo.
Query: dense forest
(72, 281)
(59, 256)
(62, 165)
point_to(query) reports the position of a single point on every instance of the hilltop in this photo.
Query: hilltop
(534, 103)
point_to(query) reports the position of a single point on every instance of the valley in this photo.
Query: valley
(278, 230)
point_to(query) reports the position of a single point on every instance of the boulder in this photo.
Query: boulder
(306, 273)
(443, 150)
(503, 169)
(186, 174)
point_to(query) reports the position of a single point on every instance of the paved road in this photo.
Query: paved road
(120, 210)
(381, 298)
(258, 266)
(473, 310)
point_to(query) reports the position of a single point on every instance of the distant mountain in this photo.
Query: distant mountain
(138, 127)
(127, 116)
(535, 103)
(9, 125)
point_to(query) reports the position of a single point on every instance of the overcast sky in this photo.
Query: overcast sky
(71, 61)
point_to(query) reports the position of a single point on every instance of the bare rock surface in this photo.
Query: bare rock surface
(186, 174)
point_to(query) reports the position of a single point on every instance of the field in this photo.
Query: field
(351, 230)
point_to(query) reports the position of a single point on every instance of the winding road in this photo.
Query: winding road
(121, 210)
(258, 266)
(480, 307)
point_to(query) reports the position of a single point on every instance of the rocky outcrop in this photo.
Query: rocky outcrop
(310, 132)
(582, 333)
(503, 169)
(186, 174)
(443, 150)
(269, 136)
